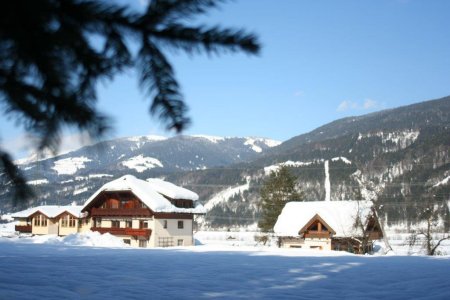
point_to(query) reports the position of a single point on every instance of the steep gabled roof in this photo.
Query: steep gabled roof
(313, 219)
(339, 215)
(171, 190)
(147, 193)
(50, 211)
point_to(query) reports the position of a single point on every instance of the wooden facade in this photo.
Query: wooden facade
(23, 228)
(123, 214)
(316, 228)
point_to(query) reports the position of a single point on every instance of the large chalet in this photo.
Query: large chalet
(152, 213)
(329, 225)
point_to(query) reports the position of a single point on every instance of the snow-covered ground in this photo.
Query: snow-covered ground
(224, 265)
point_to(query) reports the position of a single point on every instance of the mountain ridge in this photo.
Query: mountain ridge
(395, 157)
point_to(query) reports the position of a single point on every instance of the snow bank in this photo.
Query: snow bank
(52, 271)
(88, 239)
(93, 239)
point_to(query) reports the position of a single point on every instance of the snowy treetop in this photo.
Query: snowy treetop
(341, 216)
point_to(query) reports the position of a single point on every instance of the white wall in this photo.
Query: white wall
(323, 244)
(172, 231)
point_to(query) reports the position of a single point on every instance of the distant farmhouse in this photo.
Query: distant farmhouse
(152, 213)
(329, 225)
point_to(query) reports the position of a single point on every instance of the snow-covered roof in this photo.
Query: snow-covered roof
(339, 215)
(50, 211)
(147, 193)
(171, 190)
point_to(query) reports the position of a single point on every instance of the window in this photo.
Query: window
(165, 242)
(72, 221)
(114, 203)
(128, 224)
(143, 224)
(40, 220)
(165, 224)
(115, 224)
(127, 241)
(180, 242)
(126, 201)
(64, 221)
(143, 243)
(180, 224)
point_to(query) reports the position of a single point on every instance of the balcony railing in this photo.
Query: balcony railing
(23, 228)
(124, 231)
(317, 234)
(126, 212)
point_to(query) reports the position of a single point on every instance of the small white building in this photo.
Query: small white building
(328, 225)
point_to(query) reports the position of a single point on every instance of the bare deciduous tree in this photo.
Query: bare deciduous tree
(429, 234)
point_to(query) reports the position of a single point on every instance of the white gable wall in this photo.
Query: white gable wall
(339, 215)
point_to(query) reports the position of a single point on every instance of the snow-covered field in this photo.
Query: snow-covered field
(224, 265)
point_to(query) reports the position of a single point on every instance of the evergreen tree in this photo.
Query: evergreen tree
(52, 54)
(277, 190)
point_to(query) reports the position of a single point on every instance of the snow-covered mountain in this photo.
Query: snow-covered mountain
(398, 158)
(72, 176)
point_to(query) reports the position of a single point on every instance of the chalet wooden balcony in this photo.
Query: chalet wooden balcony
(23, 228)
(124, 231)
(317, 234)
(120, 212)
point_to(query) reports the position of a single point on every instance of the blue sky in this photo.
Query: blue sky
(320, 61)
